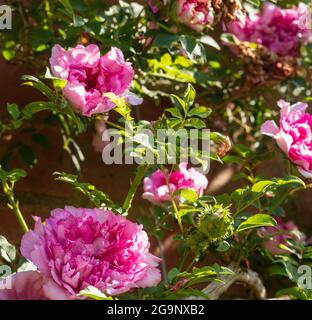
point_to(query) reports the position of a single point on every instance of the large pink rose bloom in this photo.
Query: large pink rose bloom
(78, 247)
(294, 135)
(275, 236)
(279, 30)
(156, 188)
(89, 76)
(196, 14)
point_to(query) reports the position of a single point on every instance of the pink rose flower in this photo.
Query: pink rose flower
(294, 136)
(89, 76)
(196, 14)
(156, 189)
(279, 30)
(274, 236)
(30, 285)
(80, 247)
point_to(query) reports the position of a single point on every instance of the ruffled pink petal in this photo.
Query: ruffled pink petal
(76, 95)
(59, 62)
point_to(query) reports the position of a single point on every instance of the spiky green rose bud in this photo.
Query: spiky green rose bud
(211, 226)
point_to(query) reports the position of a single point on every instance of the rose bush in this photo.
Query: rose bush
(205, 113)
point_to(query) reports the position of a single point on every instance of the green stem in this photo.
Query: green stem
(114, 125)
(14, 206)
(188, 268)
(134, 186)
(183, 259)
(308, 186)
(164, 76)
(174, 205)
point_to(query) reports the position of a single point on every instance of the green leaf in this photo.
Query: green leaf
(13, 110)
(261, 186)
(223, 246)
(175, 113)
(194, 49)
(8, 55)
(295, 293)
(7, 250)
(31, 108)
(16, 174)
(187, 194)
(94, 293)
(188, 44)
(257, 3)
(228, 38)
(25, 265)
(164, 39)
(242, 150)
(68, 7)
(209, 41)
(179, 102)
(195, 123)
(232, 159)
(189, 95)
(256, 221)
(172, 274)
(183, 212)
(290, 180)
(97, 197)
(39, 85)
(201, 112)
(121, 106)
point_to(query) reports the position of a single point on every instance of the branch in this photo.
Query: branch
(250, 278)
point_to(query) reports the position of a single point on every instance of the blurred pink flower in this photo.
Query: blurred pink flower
(294, 136)
(196, 14)
(279, 30)
(31, 285)
(80, 247)
(89, 76)
(97, 140)
(156, 189)
(152, 6)
(274, 236)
